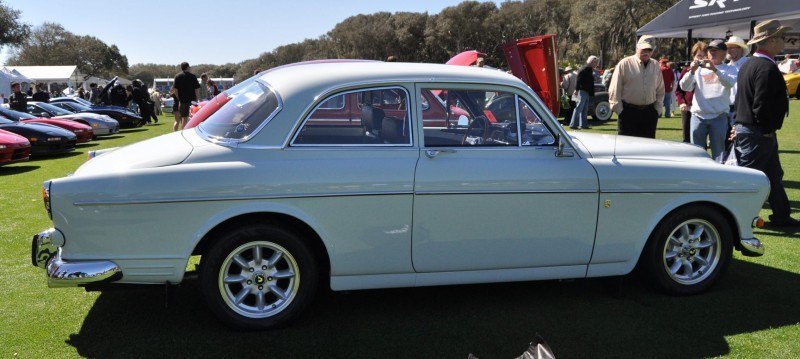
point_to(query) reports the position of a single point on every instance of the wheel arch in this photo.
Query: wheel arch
(730, 220)
(293, 223)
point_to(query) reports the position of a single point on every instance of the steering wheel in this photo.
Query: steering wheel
(480, 121)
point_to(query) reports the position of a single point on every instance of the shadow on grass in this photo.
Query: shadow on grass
(577, 318)
(87, 144)
(791, 184)
(112, 137)
(132, 130)
(9, 170)
(55, 157)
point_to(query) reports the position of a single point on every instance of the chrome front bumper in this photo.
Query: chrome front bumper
(752, 247)
(46, 254)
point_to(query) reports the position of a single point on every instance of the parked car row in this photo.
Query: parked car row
(53, 128)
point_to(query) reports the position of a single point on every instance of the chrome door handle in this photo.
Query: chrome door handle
(434, 153)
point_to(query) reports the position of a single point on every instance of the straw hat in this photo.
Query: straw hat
(737, 41)
(766, 30)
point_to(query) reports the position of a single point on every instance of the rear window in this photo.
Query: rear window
(244, 114)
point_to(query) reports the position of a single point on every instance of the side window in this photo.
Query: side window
(380, 119)
(535, 132)
(468, 117)
(333, 103)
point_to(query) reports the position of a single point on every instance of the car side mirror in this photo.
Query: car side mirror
(463, 121)
(562, 150)
(44, 114)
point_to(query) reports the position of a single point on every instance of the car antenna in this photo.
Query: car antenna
(614, 154)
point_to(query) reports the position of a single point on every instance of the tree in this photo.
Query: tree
(51, 44)
(12, 31)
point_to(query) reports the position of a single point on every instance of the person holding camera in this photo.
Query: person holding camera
(712, 81)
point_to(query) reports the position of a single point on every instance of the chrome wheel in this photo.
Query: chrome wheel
(692, 251)
(259, 279)
(602, 111)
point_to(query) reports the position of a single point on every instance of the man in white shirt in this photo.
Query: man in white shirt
(711, 82)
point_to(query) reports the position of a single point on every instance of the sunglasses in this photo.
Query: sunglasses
(647, 50)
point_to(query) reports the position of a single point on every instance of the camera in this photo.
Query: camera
(702, 63)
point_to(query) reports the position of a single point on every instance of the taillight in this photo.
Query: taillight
(46, 198)
(758, 222)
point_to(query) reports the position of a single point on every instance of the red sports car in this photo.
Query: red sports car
(83, 132)
(13, 148)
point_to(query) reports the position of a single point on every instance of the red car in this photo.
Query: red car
(83, 132)
(13, 148)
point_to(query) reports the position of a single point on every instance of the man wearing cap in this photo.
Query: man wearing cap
(584, 88)
(762, 102)
(18, 100)
(636, 93)
(711, 81)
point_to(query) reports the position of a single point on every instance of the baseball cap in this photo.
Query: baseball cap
(646, 42)
(718, 44)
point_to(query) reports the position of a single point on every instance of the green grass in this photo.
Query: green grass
(754, 312)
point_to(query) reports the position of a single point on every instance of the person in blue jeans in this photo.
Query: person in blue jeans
(585, 91)
(762, 102)
(711, 82)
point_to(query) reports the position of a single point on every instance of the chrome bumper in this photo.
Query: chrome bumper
(46, 254)
(752, 247)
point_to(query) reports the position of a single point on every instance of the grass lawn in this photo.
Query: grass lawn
(754, 312)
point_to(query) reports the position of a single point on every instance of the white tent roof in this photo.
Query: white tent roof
(50, 73)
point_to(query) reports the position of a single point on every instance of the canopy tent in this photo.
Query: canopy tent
(69, 75)
(7, 76)
(720, 18)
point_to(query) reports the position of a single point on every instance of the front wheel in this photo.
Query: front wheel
(258, 277)
(689, 250)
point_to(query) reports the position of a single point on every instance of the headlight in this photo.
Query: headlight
(46, 198)
(95, 124)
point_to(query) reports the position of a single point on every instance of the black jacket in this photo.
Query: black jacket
(586, 80)
(761, 98)
(18, 102)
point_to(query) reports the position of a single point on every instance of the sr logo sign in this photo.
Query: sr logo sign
(706, 3)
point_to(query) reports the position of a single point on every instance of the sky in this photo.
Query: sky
(204, 31)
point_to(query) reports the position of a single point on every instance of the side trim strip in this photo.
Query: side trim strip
(232, 198)
(681, 191)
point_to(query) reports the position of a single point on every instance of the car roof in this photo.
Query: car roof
(334, 74)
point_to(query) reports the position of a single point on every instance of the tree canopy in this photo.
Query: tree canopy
(12, 31)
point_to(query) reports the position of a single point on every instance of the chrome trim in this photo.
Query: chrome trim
(42, 247)
(519, 121)
(679, 191)
(237, 198)
(425, 193)
(752, 247)
(409, 122)
(61, 273)
(234, 142)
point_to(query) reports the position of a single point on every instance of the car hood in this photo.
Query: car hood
(165, 150)
(608, 146)
(65, 124)
(36, 129)
(11, 138)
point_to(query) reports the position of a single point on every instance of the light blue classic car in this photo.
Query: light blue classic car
(358, 175)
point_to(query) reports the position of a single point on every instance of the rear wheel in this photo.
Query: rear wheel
(689, 250)
(258, 277)
(602, 111)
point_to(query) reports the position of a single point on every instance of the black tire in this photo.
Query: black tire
(656, 255)
(217, 293)
(601, 111)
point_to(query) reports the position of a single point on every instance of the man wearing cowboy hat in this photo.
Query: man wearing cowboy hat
(762, 102)
(737, 51)
(568, 84)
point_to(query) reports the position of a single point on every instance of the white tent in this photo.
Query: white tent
(67, 75)
(7, 76)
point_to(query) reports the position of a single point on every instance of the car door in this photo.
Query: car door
(490, 192)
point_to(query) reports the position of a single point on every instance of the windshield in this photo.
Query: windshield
(14, 115)
(247, 111)
(76, 106)
(83, 101)
(58, 111)
(240, 86)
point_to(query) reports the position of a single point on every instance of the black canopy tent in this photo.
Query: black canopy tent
(719, 18)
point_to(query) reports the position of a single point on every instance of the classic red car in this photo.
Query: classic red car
(13, 148)
(83, 132)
